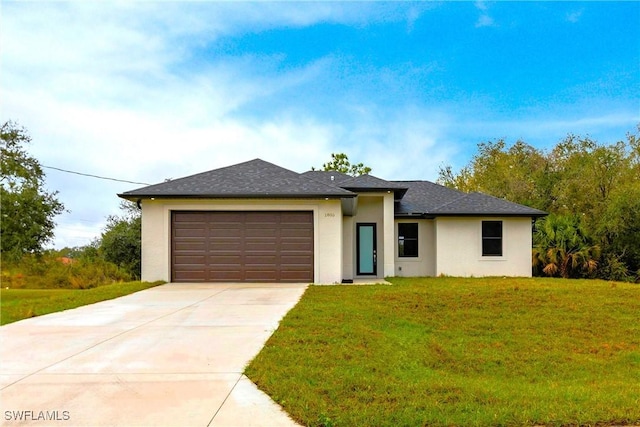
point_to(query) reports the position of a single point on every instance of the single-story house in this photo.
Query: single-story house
(258, 222)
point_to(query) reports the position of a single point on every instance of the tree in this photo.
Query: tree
(26, 223)
(600, 183)
(563, 248)
(519, 173)
(121, 242)
(340, 163)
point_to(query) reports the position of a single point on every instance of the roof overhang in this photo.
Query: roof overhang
(136, 197)
(467, 215)
(398, 193)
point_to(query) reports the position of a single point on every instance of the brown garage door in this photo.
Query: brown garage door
(242, 247)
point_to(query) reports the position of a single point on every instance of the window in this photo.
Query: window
(491, 238)
(408, 240)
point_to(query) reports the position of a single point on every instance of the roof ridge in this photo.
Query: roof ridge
(256, 177)
(302, 175)
(211, 170)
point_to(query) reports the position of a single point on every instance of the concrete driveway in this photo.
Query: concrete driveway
(171, 355)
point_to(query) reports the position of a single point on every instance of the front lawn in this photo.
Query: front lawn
(18, 304)
(451, 351)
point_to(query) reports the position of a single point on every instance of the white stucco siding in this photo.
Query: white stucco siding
(389, 235)
(425, 263)
(155, 243)
(348, 243)
(156, 231)
(459, 247)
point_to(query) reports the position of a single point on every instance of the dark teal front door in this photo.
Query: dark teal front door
(366, 249)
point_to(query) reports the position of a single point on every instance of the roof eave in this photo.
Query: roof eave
(398, 192)
(427, 215)
(417, 215)
(492, 214)
(135, 197)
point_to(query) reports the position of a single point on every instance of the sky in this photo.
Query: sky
(152, 90)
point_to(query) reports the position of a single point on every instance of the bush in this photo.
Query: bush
(49, 271)
(121, 241)
(613, 268)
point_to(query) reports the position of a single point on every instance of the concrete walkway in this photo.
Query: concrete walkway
(166, 356)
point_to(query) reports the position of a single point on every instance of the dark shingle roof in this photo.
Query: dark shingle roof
(429, 199)
(260, 179)
(361, 183)
(252, 179)
(364, 183)
(422, 196)
(328, 177)
(479, 203)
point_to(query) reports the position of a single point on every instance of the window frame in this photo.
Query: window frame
(486, 252)
(402, 239)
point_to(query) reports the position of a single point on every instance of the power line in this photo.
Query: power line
(95, 176)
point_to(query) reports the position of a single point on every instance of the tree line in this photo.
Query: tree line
(591, 191)
(27, 225)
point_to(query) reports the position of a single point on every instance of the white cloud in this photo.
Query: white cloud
(484, 20)
(408, 144)
(574, 16)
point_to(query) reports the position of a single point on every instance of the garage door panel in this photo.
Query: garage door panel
(223, 216)
(252, 247)
(261, 233)
(299, 233)
(261, 259)
(190, 233)
(261, 275)
(225, 233)
(224, 260)
(188, 217)
(297, 217)
(242, 246)
(261, 216)
(296, 246)
(187, 225)
(188, 276)
(190, 246)
(191, 260)
(224, 244)
(295, 260)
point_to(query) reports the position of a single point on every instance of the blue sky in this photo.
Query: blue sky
(145, 91)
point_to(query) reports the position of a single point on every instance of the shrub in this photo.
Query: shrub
(48, 271)
(563, 248)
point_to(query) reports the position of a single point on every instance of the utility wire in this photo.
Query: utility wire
(95, 176)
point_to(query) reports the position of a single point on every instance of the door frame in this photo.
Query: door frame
(375, 249)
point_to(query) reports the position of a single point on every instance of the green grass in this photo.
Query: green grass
(451, 351)
(18, 304)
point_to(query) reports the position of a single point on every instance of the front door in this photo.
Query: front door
(366, 249)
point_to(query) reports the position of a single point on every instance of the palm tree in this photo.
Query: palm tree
(563, 248)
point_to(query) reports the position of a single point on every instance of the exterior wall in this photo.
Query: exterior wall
(375, 208)
(156, 231)
(389, 235)
(348, 243)
(459, 247)
(425, 263)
